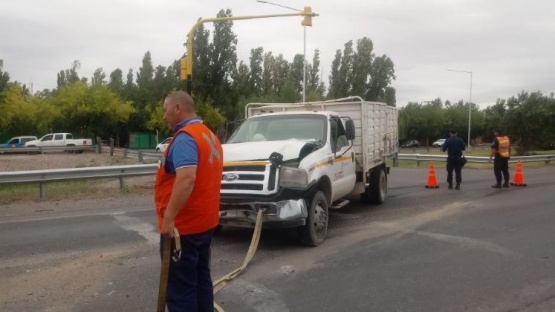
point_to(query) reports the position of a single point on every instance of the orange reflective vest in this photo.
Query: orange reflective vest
(503, 146)
(201, 211)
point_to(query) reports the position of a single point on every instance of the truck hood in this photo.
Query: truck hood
(34, 142)
(261, 150)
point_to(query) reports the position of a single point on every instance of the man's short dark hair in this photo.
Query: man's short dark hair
(453, 131)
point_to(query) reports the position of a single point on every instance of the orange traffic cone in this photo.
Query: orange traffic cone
(519, 177)
(432, 181)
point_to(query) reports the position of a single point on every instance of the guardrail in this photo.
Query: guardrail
(42, 177)
(475, 159)
(140, 155)
(46, 149)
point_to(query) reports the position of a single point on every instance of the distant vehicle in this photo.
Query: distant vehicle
(58, 139)
(18, 141)
(411, 143)
(438, 143)
(161, 147)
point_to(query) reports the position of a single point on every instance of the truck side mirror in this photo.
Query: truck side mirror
(350, 129)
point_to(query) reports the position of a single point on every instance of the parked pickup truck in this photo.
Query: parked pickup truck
(297, 161)
(58, 139)
(18, 141)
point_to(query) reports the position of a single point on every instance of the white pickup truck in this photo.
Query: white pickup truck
(296, 161)
(58, 139)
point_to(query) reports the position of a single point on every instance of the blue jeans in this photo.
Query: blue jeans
(189, 282)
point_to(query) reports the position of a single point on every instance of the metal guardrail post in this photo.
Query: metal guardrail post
(122, 186)
(98, 145)
(42, 190)
(140, 156)
(125, 153)
(111, 147)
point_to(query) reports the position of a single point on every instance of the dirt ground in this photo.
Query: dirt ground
(20, 200)
(20, 162)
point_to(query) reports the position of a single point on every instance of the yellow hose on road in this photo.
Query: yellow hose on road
(220, 283)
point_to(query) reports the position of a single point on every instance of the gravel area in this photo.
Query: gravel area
(19, 200)
(19, 162)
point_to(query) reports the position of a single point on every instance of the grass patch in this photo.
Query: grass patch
(70, 190)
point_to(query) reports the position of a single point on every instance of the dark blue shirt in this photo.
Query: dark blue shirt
(454, 147)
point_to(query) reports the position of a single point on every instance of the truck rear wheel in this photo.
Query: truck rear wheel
(314, 231)
(375, 193)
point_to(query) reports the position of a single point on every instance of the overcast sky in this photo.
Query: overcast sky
(509, 45)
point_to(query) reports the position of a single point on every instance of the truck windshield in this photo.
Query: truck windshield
(281, 127)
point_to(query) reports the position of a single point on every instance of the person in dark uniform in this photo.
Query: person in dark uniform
(501, 150)
(454, 147)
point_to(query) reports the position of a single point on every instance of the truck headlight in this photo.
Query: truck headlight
(292, 177)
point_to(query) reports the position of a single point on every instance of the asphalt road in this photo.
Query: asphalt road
(477, 249)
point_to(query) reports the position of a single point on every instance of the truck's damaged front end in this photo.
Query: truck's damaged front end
(266, 174)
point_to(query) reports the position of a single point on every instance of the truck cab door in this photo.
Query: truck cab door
(343, 167)
(58, 140)
(46, 140)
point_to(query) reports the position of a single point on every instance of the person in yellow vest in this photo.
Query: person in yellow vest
(500, 152)
(187, 197)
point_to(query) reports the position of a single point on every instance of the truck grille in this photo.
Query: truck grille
(254, 179)
(250, 187)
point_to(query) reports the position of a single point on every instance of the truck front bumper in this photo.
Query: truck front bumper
(284, 213)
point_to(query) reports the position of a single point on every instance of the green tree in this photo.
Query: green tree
(268, 86)
(116, 82)
(312, 73)
(242, 82)
(256, 70)
(361, 73)
(381, 76)
(288, 91)
(494, 118)
(145, 84)
(423, 122)
(345, 70)
(223, 62)
(280, 73)
(4, 77)
(390, 97)
(89, 110)
(296, 74)
(333, 91)
(18, 110)
(99, 77)
(201, 61)
(362, 66)
(70, 75)
(530, 121)
(130, 87)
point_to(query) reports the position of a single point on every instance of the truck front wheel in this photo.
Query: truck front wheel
(375, 192)
(314, 231)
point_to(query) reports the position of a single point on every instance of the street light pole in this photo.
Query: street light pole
(304, 65)
(304, 43)
(470, 100)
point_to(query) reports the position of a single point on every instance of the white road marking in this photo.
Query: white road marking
(67, 216)
(467, 242)
(146, 230)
